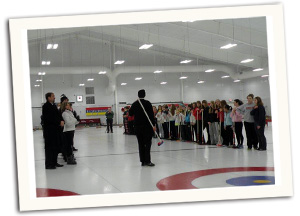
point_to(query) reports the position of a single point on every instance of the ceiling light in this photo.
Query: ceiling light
(48, 62)
(42, 73)
(183, 77)
(258, 69)
(236, 80)
(119, 62)
(158, 71)
(201, 81)
(55, 46)
(123, 83)
(36, 85)
(264, 75)
(163, 83)
(225, 77)
(39, 80)
(228, 46)
(209, 70)
(185, 61)
(49, 46)
(43, 62)
(247, 60)
(102, 72)
(90, 79)
(138, 78)
(146, 46)
(81, 84)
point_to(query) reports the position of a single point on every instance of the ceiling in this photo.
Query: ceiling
(87, 50)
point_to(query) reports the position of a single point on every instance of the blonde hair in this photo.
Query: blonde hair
(63, 106)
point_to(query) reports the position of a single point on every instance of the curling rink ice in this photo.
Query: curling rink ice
(109, 163)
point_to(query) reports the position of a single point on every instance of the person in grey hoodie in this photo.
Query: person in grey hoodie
(245, 110)
(69, 129)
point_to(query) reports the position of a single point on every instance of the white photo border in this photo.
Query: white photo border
(23, 116)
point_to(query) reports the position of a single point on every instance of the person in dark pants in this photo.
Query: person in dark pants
(143, 128)
(109, 119)
(259, 115)
(245, 110)
(205, 110)
(52, 129)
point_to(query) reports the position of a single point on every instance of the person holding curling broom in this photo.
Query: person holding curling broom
(144, 126)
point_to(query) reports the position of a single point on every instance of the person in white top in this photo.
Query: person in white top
(160, 121)
(69, 129)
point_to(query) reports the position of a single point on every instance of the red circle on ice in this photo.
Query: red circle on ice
(47, 192)
(184, 180)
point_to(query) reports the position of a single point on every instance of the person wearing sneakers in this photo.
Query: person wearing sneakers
(69, 129)
(237, 118)
(245, 110)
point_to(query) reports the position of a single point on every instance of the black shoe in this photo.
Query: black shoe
(50, 167)
(74, 149)
(150, 164)
(259, 149)
(143, 164)
(59, 165)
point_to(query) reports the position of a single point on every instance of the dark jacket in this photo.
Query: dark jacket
(52, 128)
(140, 118)
(259, 115)
(206, 114)
(109, 115)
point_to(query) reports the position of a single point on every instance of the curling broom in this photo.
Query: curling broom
(160, 141)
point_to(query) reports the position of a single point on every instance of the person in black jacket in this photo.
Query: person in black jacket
(143, 128)
(52, 127)
(259, 115)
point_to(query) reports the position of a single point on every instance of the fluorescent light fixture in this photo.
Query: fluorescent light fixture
(81, 84)
(228, 46)
(201, 81)
(258, 69)
(163, 83)
(236, 80)
(185, 61)
(182, 77)
(42, 73)
(39, 80)
(90, 79)
(225, 77)
(146, 46)
(43, 62)
(36, 85)
(158, 71)
(119, 62)
(138, 78)
(123, 83)
(49, 46)
(55, 46)
(48, 62)
(209, 70)
(247, 60)
(102, 72)
(264, 75)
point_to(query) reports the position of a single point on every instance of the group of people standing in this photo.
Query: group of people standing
(221, 121)
(58, 123)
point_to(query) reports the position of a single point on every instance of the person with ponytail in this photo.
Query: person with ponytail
(237, 118)
(259, 115)
(228, 132)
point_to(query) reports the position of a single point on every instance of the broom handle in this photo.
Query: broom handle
(149, 119)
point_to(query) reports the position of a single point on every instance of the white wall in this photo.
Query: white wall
(176, 90)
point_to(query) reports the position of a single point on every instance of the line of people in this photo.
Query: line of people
(58, 124)
(222, 123)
